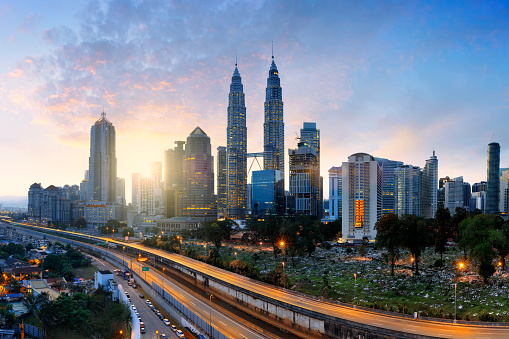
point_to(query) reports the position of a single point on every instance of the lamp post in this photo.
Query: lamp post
(210, 313)
(205, 249)
(107, 232)
(284, 278)
(113, 235)
(235, 255)
(455, 288)
(355, 291)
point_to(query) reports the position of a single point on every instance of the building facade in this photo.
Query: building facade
(408, 185)
(304, 179)
(173, 180)
(335, 193)
(362, 197)
(310, 135)
(457, 194)
(503, 205)
(429, 198)
(273, 126)
(493, 182)
(236, 145)
(222, 181)
(268, 195)
(388, 185)
(198, 199)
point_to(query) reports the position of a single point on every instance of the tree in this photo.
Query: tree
(477, 234)
(500, 240)
(442, 229)
(415, 235)
(270, 230)
(128, 232)
(212, 233)
(389, 236)
(309, 234)
(80, 223)
(332, 230)
(460, 214)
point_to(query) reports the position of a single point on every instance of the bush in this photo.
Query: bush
(326, 245)
(486, 317)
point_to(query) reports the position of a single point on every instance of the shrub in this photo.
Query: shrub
(486, 317)
(438, 263)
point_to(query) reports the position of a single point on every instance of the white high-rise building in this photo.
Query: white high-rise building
(362, 197)
(503, 204)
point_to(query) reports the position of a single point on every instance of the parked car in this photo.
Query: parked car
(163, 336)
(173, 328)
(166, 322)
(179, 334)
(135, 286)
(161, 316)
(142, 296)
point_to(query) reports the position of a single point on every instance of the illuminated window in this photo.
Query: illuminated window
(359, 213)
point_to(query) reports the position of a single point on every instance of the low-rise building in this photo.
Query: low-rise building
(105, 279)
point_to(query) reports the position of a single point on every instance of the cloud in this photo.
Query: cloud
(18, 73)
(396, 80)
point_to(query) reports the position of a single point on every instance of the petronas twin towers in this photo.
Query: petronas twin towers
(273, 139)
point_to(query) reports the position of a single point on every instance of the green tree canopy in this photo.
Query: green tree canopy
(389, 236)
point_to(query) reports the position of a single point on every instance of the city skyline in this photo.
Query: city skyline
(392, 81)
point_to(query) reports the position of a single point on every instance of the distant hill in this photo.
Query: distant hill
(14, 201)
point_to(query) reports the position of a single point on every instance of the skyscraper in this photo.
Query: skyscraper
(102, 172)
(198, 199)
(408, 185)
(236, 149)
(310, 135)
(493, 188)
(388, 185)
(173, 180)
(457, 194)
(429, 199)
(304, 179)
(222, 180)
(102, 162)
(274, 127)
(361, 197)
(335, 193)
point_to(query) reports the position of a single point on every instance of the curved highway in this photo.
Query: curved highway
(390, 322)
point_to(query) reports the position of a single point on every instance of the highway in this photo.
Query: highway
(390, 322)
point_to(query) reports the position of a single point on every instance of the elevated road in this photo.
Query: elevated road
(385, 323)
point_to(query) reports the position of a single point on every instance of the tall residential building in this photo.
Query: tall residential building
(362, 197)
(121, 191)
(335, 192)
(198, 199)
(429, 197)
(311, 136)
(268, 196)
(102, 162)
(493, 187)
(305, 179)
(457, 194)
(503, 205)
(236, 133)
(173, 180)
(55, 206)
(102, 172)
(408, 184)
(274, 127)
(35, 200)
(388, 187)
(222, 179)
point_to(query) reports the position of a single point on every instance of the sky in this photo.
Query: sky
(395, 79)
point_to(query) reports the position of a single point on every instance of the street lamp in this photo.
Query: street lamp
(107, 232)
(113, 230)
(284, 278)
(355, 292)
(205, 249)
(235, 255)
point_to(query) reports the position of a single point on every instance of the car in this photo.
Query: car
(166, 322)
(161, 316)
(135, 286)
(142, 296)
(130, 283)
(158, 313)
(173, 328)
(134, 307)
(142, 329)
(137, 314)
(147, 302)
(142, 324)
(179, 334)
(163, 336)
(153, 308)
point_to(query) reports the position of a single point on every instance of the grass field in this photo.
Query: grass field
(86, 272)
(430, 293)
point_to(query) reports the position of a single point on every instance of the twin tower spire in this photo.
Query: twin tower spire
(236, 148)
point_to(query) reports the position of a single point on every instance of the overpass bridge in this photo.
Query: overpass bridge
(300, 314)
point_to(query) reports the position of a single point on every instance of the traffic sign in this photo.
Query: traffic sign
(145, 268)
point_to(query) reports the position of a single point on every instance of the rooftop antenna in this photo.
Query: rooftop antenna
(103, 115)
(272, 49)
(297, 136)
(492, 137)
(235, 58)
